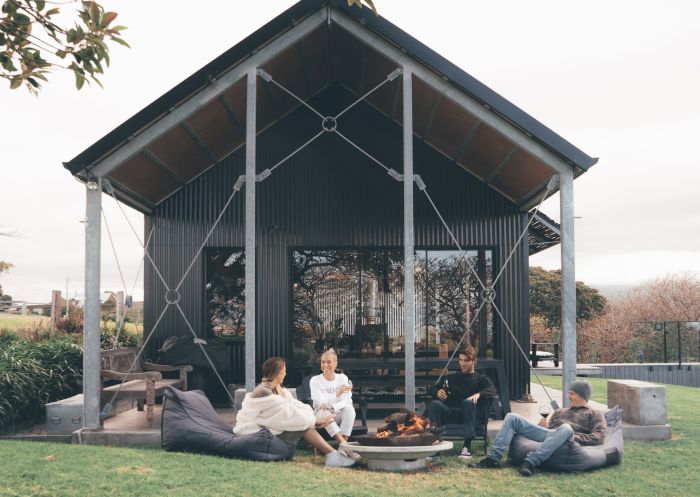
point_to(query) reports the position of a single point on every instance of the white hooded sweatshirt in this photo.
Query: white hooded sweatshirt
(276, 412)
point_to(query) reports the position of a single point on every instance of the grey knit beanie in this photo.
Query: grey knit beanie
(582, 388)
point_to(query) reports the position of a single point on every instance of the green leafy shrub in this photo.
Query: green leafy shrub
(109, 340)
(33, 373)
(73, 322)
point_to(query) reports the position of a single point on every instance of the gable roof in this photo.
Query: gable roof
(163, 162)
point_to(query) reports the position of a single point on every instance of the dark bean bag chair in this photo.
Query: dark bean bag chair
(572, 457)
(190, 424)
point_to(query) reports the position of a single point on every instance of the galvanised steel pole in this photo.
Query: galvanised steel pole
(409, 315)
(91, 331)
(250, 177)
(568, 282)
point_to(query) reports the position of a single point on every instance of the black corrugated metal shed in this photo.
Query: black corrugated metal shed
(177, 159)
(309, 66)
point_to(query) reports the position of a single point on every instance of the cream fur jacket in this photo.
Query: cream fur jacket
(277, 413)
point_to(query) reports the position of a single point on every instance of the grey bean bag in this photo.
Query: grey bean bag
(571, 456)
(190, 424)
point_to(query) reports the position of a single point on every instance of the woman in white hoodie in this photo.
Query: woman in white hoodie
(331, 393)
(271, 406)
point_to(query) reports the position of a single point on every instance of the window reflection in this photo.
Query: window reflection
(352, 300)
(225, 291)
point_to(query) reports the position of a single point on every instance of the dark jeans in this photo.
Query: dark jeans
(440, 414)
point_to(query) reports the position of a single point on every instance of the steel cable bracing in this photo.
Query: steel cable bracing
(121, 275)
(136, 280)
(488, 293)
(172, 296)
(120, 324)
(328, 124)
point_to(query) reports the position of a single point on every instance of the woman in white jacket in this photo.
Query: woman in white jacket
(331, 393)
(271, 406)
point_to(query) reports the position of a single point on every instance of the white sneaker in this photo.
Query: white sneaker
(337, 460)
(350, 453)
(465, 454)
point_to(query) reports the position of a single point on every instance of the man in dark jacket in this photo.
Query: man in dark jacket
(456, 398)
(579, 423)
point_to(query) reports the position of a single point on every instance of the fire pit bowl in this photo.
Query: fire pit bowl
(401, 444)
(393, 458)
(402, 441)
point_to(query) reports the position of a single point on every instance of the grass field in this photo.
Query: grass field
(32, 322)
(658, 469)
(13, 322)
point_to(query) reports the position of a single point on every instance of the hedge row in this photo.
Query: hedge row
(45, 369)
(34, 373)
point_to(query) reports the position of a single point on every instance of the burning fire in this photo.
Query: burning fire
(402, 425)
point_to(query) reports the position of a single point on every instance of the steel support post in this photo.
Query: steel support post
(568, 282)
(409, 308)
(250, 176)
(91, 333)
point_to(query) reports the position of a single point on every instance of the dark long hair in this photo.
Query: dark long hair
(272, 367)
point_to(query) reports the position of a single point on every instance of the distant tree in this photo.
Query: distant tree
(32, 44)
(4, 267)
(626, 328)
(545, 298)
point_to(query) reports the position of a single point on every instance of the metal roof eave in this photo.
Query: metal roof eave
(470, 85)
(200, 79)
(287, 20)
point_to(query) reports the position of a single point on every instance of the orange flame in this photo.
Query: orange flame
(414, 424)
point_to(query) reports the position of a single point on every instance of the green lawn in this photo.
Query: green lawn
(648, 470)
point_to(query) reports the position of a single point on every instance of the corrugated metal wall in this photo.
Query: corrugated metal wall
(330, 195)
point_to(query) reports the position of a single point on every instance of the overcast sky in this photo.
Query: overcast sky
(620, 80)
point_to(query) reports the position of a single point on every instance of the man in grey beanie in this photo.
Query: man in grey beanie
(578, 423)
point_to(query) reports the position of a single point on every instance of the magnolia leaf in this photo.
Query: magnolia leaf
(120, 41)
(369, 3)
(52, 12)
(371, 6)
(108, 18)
(15, 82)
(79, 80)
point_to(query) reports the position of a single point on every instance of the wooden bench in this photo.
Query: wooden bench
(143, 384)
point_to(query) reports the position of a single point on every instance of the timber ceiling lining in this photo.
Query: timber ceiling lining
(348, 61)
(486, 150)
(217, 129)
(145, 178)
(450, 128)
(286, 69)
(521, 174)
(424, 97)
(314, 59)
(181, 153)
(330, 55)
(265, 107)
(376, 69)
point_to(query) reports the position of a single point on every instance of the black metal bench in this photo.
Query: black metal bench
(537, 354)
(371, 387)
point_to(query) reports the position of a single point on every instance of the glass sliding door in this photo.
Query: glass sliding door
(352, 300)
(452, 308)
(225, 291)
